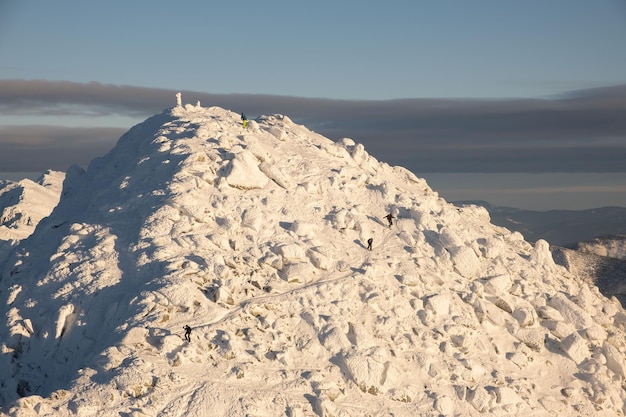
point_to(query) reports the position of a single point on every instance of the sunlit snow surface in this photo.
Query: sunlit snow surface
(257, 239)
(23, 204)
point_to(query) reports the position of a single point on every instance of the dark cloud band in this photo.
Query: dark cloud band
(581, 131)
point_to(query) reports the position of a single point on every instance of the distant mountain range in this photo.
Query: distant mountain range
(558, 227)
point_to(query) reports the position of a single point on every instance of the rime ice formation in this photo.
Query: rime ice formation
(23, 204)
(256, 238)
(613, 246)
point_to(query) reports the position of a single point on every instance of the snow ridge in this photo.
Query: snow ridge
(22, 206)
(257, 239)
(25, 203)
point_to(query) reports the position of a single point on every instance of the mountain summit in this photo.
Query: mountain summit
(257, 239)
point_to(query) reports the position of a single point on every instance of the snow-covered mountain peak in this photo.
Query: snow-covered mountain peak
(24, 203)
(258, 238)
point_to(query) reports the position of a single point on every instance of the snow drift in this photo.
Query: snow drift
(257, 238)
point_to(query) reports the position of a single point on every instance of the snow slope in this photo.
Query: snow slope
(23, 204)
(608, 274)
(612, 246)
(256, 238)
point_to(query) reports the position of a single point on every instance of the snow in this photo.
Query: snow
(613, 246)
(23, 204)
(257, 239)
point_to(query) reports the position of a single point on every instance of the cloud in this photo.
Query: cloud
(580, 131)
(37, 148)
(40, 97)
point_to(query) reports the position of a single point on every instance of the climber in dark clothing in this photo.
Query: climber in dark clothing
(369, 243)
(187, 333)
(389, 218)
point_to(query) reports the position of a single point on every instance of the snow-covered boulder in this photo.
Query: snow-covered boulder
(243, 172)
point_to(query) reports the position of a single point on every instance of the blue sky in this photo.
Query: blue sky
(331, 49)
(357, 54)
